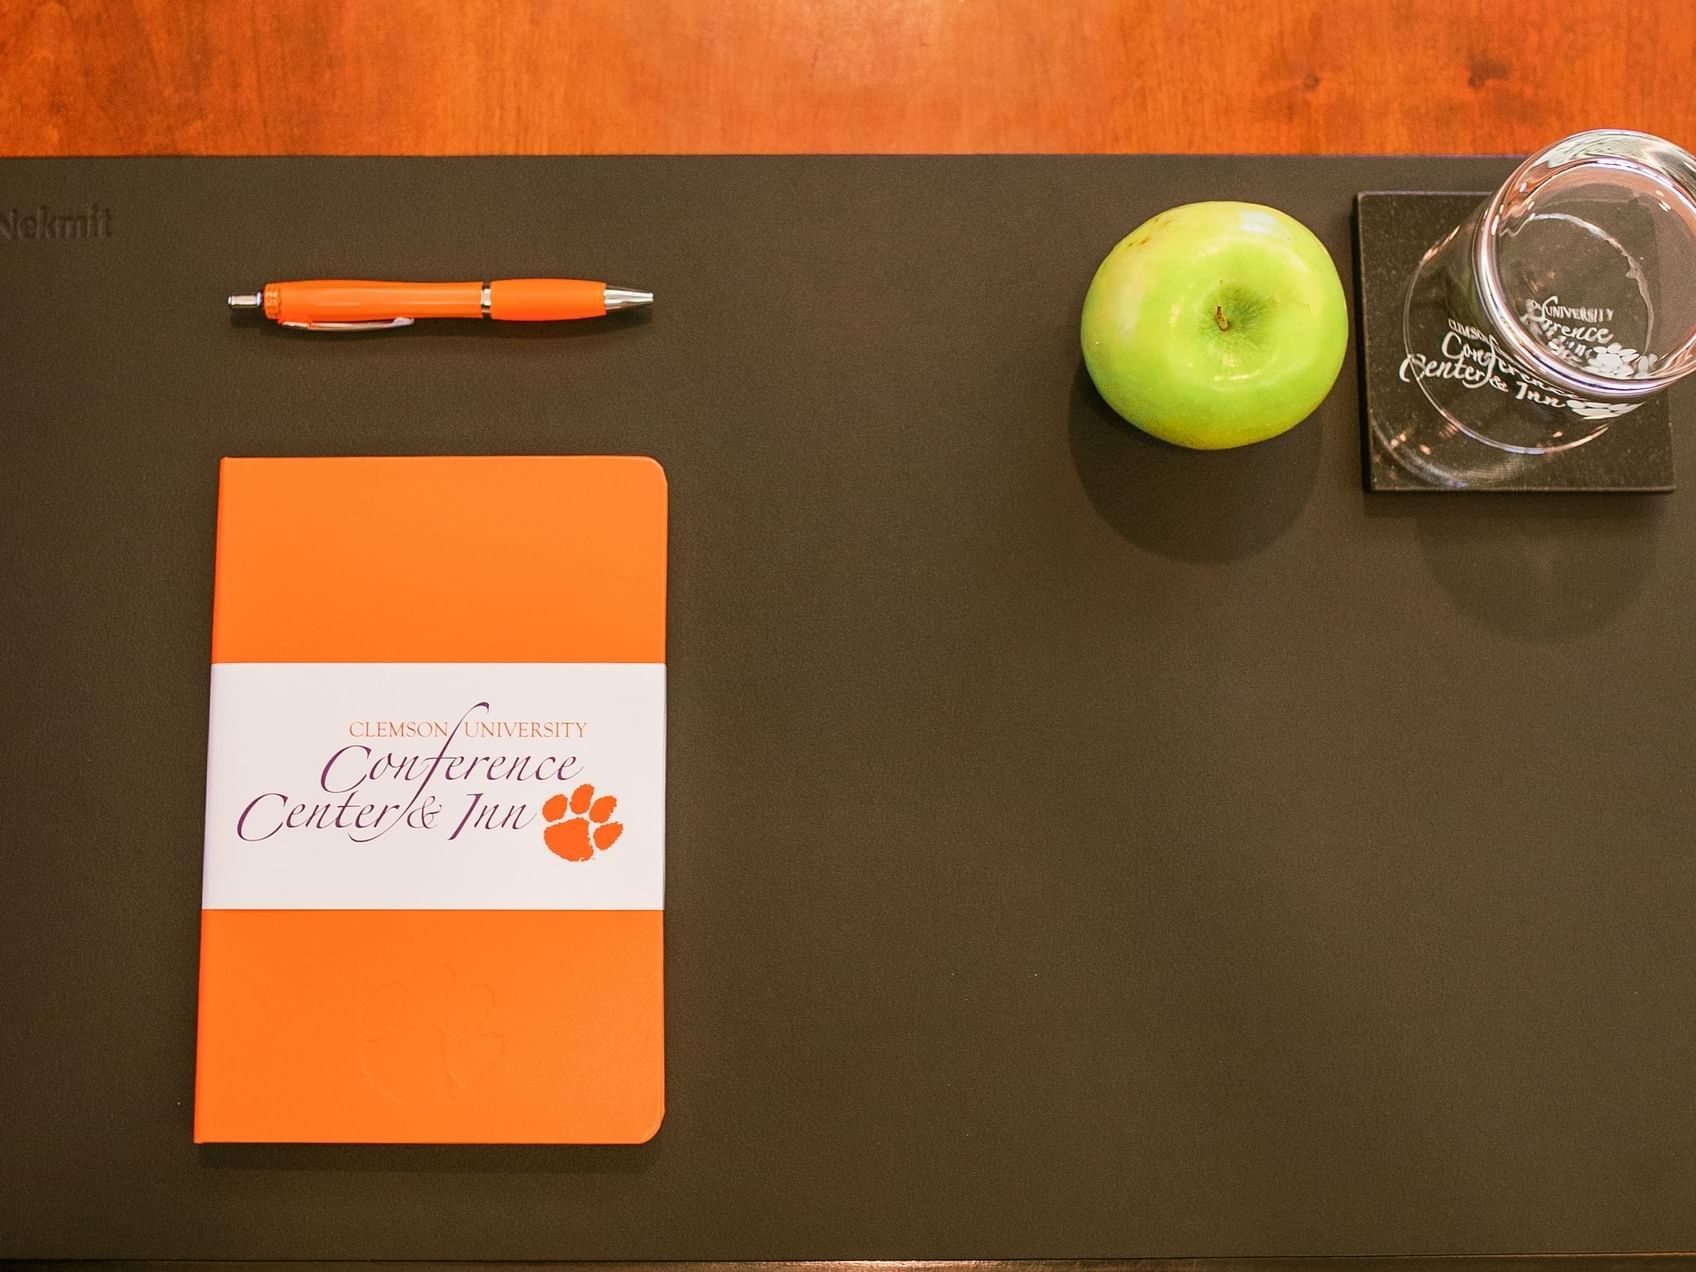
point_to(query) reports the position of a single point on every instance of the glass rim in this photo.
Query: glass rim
(1645, 158)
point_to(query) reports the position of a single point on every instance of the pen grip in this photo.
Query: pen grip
(546, 299)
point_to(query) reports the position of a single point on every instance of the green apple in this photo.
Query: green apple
(1216, 325)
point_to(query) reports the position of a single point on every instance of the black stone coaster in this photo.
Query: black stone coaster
(1392, 232)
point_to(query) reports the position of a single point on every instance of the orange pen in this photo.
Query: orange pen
(363, 305)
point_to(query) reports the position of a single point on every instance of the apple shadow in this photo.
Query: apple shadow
(1537, 568)
(1207, 506)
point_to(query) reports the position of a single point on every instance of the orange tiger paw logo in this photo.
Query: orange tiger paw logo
(576, 830)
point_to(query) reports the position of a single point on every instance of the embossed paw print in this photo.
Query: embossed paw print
(576, 830)
(428, 1042)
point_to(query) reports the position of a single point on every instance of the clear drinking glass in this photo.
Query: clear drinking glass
(1558, 307)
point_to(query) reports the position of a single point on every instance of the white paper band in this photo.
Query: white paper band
(421, 786)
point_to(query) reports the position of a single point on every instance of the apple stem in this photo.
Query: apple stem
(1219, 317)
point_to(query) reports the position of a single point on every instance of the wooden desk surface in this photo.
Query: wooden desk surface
(686, 76)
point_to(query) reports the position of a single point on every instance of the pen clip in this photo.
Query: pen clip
(383, 325)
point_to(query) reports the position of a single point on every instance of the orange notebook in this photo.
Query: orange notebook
(435, 854)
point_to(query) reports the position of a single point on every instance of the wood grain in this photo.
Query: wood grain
(1356, 1263)
(687, 76)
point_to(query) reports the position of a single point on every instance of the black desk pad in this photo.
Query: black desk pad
(1078, 847)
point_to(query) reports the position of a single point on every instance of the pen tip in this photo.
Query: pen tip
(627, 298)
(242, 301)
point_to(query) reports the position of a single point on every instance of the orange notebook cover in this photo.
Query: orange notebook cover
(434, 860)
